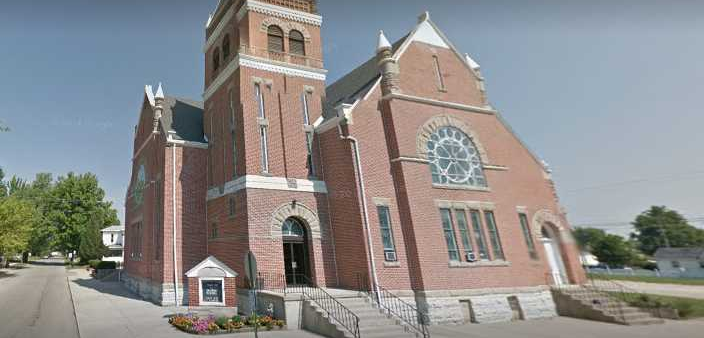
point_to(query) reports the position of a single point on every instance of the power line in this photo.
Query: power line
(666, 178)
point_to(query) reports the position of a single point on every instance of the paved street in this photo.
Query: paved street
(35, 302)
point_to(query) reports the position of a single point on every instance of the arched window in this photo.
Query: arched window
(226, 47)
(276, 39)
(292, 228)
(296, 43)
(454, 159)
(216, 59)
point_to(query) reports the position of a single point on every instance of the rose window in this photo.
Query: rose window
(454, 160)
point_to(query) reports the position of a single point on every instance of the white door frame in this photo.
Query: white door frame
(554, 256)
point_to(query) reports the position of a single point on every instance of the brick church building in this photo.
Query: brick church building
(399, 175)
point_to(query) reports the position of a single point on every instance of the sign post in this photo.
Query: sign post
(250, 269)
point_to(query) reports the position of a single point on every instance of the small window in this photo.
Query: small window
(438, 73)
(387, 236)
(306, 115)
(260, 100)
(292, 228)
(216, 59)
(449, 232)
(296, 43)
(676, 264)
(276, 39)
(309, 159)
(479, 236)
(226, 47)
(263, 143)
(231, 206)
(527, 235)
(494, 236)
(214, 231)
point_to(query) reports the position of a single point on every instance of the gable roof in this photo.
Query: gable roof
(184, 118)
(679, 253)
(211, 262)
(357, 82)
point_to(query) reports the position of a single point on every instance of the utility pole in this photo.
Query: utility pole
(664, 234)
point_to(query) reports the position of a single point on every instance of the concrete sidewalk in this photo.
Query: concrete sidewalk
(107, 310)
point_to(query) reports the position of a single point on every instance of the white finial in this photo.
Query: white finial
(472, 64)
(546, 166)
(383, 42)
(150, 94)
(159, 93)
(424, 17)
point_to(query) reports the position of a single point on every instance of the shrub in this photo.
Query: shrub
(222, 322)
(93, 263)
(106, 265)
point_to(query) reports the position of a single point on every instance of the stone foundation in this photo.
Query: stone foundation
(485, 305)
(160, 294)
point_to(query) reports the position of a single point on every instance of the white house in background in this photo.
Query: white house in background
(680, 262)
(113, 238)
(588, 259)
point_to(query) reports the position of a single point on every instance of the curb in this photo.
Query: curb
(73, 303)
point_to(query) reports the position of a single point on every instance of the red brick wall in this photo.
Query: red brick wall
(193, 295)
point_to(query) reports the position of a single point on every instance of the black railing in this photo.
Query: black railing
(331, 306)
(414, 319)
(300, 284)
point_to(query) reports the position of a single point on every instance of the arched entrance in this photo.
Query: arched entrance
(296, 261)
(551, 243)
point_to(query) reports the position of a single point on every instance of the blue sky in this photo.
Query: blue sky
(608, 92)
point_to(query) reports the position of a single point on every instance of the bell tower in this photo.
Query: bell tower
(264, 88)
(264, 81)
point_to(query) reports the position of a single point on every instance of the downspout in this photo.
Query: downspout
(365, 211)
(173, 218)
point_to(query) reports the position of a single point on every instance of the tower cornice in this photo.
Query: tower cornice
(279, 11)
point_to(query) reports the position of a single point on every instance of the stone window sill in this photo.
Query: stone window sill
(477, 264)
(392, 264)
(459, 187)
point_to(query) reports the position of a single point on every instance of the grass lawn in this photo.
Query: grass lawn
(688, 307)
(647, 279)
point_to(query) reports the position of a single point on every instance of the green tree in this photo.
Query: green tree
(91, 244)
(76, 201)
(16, 220)
(614, 251)
(3, 127)
(587, 238)
(661, 227)
(3, 188)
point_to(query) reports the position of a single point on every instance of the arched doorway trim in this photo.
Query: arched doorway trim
(547, 218)
(296, 210)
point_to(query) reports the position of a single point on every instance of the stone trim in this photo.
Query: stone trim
(267, 183)
(459, 187)
(439, 121)
(278, 11)
(282, 68)
(297, 210)
(466, 205)
(433, 102)
(410, 159)
(479, 264)
(243, 60)
(381, 201)
(285, 26)
(545, 217)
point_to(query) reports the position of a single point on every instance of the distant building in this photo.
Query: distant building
(588, 259)
(113, 239)
(680, 262)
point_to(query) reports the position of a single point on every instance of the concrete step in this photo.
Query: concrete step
(646, 321)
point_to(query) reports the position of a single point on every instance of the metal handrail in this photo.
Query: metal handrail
(276, 282)
(331, 306)
(397, 307)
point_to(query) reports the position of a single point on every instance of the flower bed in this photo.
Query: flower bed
(211, 325)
